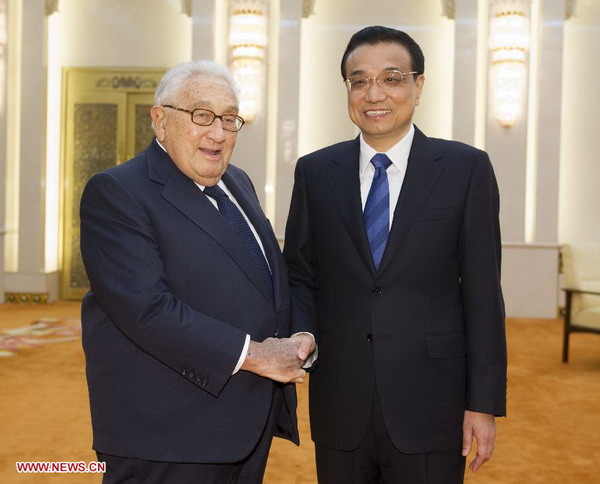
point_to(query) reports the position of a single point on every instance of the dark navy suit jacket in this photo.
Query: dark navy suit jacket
(427, 328)
(173, 295)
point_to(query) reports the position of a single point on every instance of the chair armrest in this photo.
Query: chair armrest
(580, 291)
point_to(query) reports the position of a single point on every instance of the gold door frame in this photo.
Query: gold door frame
(105, 121)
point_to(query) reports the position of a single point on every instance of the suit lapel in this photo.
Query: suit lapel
(424, 168)
(183, 194)
(345, 186)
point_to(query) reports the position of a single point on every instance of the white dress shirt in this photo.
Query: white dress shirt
(398, 154)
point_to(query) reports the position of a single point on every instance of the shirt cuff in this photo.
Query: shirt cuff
(243, 355)
(315, 354)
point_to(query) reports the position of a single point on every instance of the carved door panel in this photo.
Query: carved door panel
(93, 146)
(139, 125)
(106, 121)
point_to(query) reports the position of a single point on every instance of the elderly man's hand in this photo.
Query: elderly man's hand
(277, 359)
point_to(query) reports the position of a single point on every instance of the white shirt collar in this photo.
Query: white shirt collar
(398, 153)
(158, 142)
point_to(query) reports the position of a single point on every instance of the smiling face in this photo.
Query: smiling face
(384, 115)
(200, 152)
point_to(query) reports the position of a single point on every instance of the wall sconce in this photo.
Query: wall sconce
(248, 42)
(509, 43)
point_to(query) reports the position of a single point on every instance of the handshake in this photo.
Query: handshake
(280, 359)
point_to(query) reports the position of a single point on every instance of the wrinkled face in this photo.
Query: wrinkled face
(200, 152)
(383, 114)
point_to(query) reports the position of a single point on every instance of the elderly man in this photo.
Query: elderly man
(393, 249)
(186, 323)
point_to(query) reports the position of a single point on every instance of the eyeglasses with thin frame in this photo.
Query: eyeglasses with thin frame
(205, 117)
(387, 80)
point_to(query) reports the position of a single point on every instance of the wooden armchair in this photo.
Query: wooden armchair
(581, 268)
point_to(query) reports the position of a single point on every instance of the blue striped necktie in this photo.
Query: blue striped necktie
(235, 219)
(377, 208)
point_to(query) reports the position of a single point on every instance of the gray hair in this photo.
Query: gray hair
(177, 77)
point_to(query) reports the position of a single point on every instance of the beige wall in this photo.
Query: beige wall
(132, 33)
(579, 211)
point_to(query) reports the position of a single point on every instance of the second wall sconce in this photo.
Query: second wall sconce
(248, 42)
(509, 44)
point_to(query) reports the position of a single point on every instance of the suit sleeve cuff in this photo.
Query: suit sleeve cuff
(243, 355)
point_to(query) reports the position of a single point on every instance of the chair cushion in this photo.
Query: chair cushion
(581, 263)
(581, 267)
(588, 317)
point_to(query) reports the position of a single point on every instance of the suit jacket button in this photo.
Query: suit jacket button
(191, 375)
(184, 372)
(198, 379)
(369, 337)
(376, 290)
(204, 382)
(276, 332)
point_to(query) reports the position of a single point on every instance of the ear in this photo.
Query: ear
(159, 121)
(420, 83)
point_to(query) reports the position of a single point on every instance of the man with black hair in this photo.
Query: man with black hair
(393, 250)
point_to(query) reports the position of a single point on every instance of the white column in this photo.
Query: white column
(287, 109)
(465, 71)
(507, 147)
(580, 142)
(548, 140)
(203, 29)
(30, 276)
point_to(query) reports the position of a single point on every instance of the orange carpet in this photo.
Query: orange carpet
(552, 434)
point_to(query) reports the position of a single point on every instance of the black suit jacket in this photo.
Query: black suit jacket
(173, 294)
(427, 328)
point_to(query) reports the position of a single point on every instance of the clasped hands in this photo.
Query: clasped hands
(280, 359)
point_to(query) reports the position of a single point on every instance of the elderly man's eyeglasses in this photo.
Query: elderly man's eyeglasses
(387, 80)
(205, 117)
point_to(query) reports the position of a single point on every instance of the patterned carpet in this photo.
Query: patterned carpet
(551, 435)
(41, 332)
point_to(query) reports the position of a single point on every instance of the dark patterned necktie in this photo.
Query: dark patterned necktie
(237, 222)
(377, 208)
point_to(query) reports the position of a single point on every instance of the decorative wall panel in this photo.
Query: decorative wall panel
(95, 149)
(143, 127)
